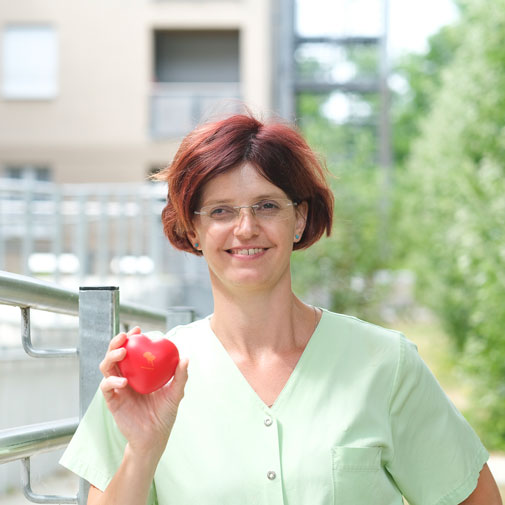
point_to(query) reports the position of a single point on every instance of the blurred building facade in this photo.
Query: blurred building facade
(103, 91)
(94, 97)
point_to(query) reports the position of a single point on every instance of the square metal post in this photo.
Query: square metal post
(98, 323)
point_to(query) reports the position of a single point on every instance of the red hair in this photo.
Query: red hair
(279, 153)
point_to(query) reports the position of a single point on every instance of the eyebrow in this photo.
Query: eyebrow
(230, 201)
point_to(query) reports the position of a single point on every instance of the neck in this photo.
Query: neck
(251, 324)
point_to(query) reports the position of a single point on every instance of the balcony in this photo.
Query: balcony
(176, 108)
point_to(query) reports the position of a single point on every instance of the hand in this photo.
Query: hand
(145, 420)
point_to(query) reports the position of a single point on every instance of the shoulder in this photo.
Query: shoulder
(361, 357)
(365, 346)
(362, 335)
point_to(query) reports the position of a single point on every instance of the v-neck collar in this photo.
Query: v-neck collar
(293, 378)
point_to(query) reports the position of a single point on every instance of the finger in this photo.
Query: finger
(134, 331)
(109, 385)
(180, 379)
(117, 341)
(108, 365)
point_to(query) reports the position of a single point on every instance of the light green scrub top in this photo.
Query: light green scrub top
(360, 421)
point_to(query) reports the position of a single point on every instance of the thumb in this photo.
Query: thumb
(179, 380)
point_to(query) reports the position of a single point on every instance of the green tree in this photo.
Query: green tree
(422, 73)
(453, 203)
(340, 271)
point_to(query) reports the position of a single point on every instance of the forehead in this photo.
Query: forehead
(242, 183)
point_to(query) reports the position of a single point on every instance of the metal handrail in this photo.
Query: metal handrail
(25, 441)
(40, 498)
(26, 339)
(100, 316)
(23, 291)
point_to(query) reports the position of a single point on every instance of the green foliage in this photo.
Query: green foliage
(339, 272)
(423, 75)
(453, 206)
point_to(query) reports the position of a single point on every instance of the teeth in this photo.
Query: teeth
(246, 251)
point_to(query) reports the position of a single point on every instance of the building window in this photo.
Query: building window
(37, 173)
(196, 56)
(197, 75)
(30, 62)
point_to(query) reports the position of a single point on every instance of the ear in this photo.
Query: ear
(193, 237)
(302, 210)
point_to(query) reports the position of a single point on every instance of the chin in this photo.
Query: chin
(254, 281)
(249, 278)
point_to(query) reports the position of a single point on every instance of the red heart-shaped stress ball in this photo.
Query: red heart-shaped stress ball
(148, 364)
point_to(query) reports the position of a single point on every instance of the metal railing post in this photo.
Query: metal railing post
(98, 323)
(99, 316)
(28, 238)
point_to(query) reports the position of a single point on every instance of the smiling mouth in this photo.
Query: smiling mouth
(246, 252)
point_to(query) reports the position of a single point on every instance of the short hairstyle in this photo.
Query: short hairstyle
(276, 150)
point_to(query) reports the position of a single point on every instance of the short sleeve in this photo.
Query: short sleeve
(437, 456)
(97, 447)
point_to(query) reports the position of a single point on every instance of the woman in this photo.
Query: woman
(285, 403)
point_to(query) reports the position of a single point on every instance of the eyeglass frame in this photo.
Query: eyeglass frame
(237, 208)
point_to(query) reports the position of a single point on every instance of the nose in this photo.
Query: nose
(246, 225)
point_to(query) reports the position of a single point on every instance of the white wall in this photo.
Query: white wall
(34, 390)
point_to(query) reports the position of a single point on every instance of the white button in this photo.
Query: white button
(271, 475)
(268, 421)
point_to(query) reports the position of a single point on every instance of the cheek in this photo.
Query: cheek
(214, 237)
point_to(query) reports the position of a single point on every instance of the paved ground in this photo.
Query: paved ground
(66, 483)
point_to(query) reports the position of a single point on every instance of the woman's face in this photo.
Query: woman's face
(249, 252)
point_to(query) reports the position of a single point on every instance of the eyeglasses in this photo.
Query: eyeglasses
(275, 209)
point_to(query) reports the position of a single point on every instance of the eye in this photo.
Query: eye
(221, 212)
(268, 205)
